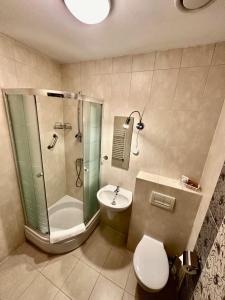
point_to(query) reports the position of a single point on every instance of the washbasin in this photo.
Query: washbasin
(113, 198)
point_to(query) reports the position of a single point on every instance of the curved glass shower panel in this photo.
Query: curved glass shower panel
(24, 128)
(92, 116)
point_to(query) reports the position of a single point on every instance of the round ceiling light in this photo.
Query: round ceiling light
(192, 5)
(89, 11)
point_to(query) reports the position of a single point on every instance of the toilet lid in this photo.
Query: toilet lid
(151, 263)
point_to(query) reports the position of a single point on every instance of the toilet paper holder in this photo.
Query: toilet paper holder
(190, 262)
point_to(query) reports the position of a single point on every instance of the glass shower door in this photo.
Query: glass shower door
(92, 116)
(24, 128)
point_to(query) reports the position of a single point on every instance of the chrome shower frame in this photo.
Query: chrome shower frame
(36, 237)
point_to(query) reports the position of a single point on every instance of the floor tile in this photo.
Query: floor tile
(40, 288)
(127, 296)
(15, 276)
(106, 289)
(80, 282)
(117, 266)
(59, 267)
(61, 296)
(77, 252)
(33, 255)
(131, 284)
(112, 237)
(90, 253)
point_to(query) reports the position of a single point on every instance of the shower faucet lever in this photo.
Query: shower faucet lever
(53, 142)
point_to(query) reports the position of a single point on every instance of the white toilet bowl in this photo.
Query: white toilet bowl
(151, 264)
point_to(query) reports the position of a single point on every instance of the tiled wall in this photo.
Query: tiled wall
(73, 148)
(171, 227)
(19, 67)
(211, 172)
(59, 163)
(210, 247)
(50, 111)
(180, 89)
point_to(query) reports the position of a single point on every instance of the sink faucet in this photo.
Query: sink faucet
(116, 193)
(117, 190)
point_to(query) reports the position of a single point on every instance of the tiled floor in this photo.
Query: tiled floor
(101, 269)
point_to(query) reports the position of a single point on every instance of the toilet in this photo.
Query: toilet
(151, 264)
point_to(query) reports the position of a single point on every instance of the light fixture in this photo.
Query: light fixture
(140, 125)
(192, 5)
(89, 11)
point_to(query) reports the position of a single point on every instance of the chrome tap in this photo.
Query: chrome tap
(116, 193)
(117, 190)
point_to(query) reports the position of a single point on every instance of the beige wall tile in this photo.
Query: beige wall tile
(6, 46)
(102, 86)
(159, 223)
(8, 76)
(191, 84)
(73, 148)
(139, 90)
(88, 67)
(143, 62)
(197, 56)
(104, 66)
(168, 59)
(118, 102)
(163, 88)
(219, 54)
(122, 64)
(121, 85)
(54, 159)
(71, 77)
(20, 67)
(24, 54)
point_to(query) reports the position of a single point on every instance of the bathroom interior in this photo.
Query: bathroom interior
(112, 177)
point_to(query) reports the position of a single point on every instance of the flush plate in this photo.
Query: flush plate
(162, 201)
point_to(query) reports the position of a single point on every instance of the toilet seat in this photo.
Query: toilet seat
(151, 263)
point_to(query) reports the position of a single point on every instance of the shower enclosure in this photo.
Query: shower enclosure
(56, 138)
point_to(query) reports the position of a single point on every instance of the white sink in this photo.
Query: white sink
(122, 200)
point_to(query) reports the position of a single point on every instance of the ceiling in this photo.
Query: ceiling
(133, 26)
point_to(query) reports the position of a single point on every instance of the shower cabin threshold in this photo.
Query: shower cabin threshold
(42, 241)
